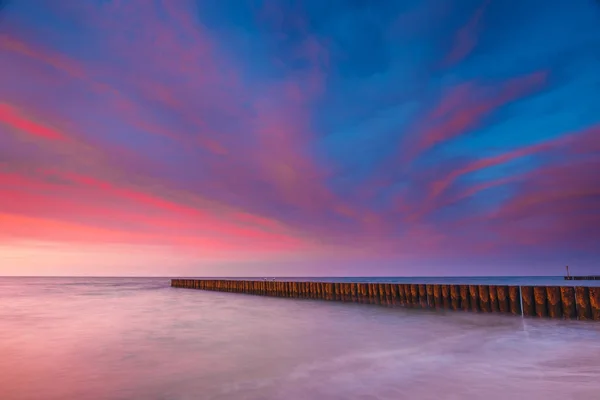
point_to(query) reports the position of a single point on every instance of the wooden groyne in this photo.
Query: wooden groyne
(568, 302)
(583, 278)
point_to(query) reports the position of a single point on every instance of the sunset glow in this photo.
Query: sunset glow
(258, 138)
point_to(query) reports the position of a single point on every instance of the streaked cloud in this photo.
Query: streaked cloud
(264, 137)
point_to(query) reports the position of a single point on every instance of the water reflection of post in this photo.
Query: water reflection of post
(521, 298)
(524, 326)
(523, 320)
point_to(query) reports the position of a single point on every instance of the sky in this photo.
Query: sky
(286, 138)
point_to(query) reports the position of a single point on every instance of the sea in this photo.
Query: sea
(138, 338)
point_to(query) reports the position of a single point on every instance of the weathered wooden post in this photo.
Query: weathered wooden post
(446, 300)
(437, 294)
(465, 297)
(582, 296)
(388, 294)
(414, 295)
(595, 302)
(353, 292)
(455, 297)
(370, 294)
(348, 291)
(514, 296)
(430, 296)
(554, 303)
(395, 294)
(404, 292)
(422, 296)
(484, 298)
(494, 299)
(474, 297)
(540, 298)
(381, 293)
(361, 291)
(528, 301)
(375, 291)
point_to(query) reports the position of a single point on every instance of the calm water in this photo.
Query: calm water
(468, 280)
(140, 339)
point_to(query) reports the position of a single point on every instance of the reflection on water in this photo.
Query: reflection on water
(140, 339)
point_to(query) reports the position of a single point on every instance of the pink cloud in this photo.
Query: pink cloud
(17, 120)
(466, 38)
(59, 62)
(135, 216)
(466, 107)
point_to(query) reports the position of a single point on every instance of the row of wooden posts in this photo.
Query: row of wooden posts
(569, 302)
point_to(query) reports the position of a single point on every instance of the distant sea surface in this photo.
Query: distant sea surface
(465, 280)
(138, 338)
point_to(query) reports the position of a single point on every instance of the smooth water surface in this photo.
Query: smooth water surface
(127, 338)
(450, 280)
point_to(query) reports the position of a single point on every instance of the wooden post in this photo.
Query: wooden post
(338, 291)
(540, 297)
(328, 291)
(363, 294)
(494, 307)
(554, 303)
(394, 287)
(367, 298)
(437, 294)
(465, 298)
(528, 301)
(402, 296)
(430, 296)
(484, 298)
(353, 292)
(446, 300)
(382, 297)
(388, 294)
(371, 293)
(455, 297)
(595, 302)
(474, 295)
(422, 296)
(414, 295)
(514, 297)
(582, 296)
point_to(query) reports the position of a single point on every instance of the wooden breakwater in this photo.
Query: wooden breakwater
(568, 302)
(583, 278)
